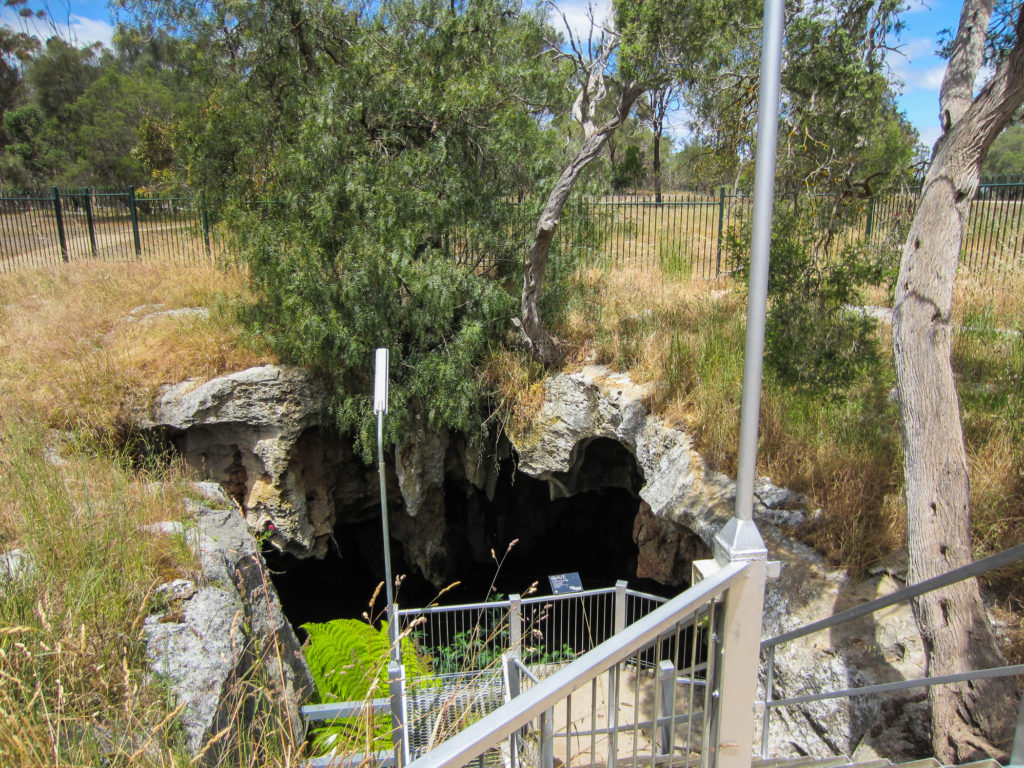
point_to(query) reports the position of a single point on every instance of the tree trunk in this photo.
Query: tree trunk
(530, 324)
(974, 717)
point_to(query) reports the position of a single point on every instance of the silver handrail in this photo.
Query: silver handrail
(968, 571)
(494, 728)
(978, 567)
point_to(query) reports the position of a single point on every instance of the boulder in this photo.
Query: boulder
(213, 634)
(256, 432)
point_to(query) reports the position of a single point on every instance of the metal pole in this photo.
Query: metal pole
(721, 229)
(87, 197)
(380, 407)
(61, 239)
(205, 221)
(740, 536)
(135, 222)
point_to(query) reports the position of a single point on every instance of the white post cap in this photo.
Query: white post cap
(380, 381)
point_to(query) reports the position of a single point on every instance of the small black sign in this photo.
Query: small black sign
(564, 583)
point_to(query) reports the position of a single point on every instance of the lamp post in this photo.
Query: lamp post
(380, 407)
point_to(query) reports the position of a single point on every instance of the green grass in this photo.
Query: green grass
(844, 452)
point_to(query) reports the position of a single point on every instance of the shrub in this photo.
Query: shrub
(816, 338)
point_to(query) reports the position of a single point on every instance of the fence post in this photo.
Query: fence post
(515, 626)
(205, 220)
(88, 220)
(721, 229)
(61, 239)
(135, 222)
(769, 691)
(547, 739)
(871, 218)
(396, 685)
(666, 702)
(620, 606)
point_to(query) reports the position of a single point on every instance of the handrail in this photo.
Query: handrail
(498, 725)
(909, 592)
(950, 577)
(337, 709)
(569, 595)
(460, 607)
(902, 685)
(508, 603)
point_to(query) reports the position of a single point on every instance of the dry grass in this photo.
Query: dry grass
(686, 337)
(85, 346)
(82, 348)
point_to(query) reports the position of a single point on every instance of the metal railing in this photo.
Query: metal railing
(58, 226)
(683, 234)
(553, 628)
(906, 594)
(608, 707)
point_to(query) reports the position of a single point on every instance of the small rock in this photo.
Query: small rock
(15, 565)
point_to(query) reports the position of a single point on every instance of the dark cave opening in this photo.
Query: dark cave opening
(588, 528)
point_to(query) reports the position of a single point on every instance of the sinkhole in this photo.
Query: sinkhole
(505, 539)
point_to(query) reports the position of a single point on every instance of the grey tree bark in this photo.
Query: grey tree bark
(592, 93)
(969, 718)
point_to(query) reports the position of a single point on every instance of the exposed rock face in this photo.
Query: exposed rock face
(666, 549)
(674, 481)
(214, 631)
(874, 649)
(681, 495)
(256, 433)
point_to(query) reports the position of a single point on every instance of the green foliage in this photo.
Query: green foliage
(87, 110)
(628, 171)
(1006, 155)
(388, 159)
(841, 133)
(349, 659)
(815, 339)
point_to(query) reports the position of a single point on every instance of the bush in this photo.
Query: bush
(816, 338)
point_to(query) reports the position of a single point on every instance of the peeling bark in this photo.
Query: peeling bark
(974, 717)
(591, 94)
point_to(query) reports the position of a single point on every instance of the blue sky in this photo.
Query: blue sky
(917, 66)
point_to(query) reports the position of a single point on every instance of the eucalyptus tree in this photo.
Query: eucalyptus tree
(967, 718)
(646, 45)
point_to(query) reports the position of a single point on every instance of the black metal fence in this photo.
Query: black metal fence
(683, 235)
(47, 228)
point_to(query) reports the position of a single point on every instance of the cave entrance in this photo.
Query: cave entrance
(584, 521)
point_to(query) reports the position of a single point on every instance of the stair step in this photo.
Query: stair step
(879, 763)
(801, 762)
(988, 762)
(928, 762)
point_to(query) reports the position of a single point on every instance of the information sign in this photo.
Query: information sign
(564, 583)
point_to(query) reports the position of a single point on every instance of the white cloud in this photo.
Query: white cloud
(576, 16)
(75, 29)
(918, 70)
(929, 135)
(87, 31)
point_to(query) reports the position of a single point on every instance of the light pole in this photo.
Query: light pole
(380, 407)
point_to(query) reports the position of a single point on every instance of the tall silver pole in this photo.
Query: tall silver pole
(740, 536)
(380, 407)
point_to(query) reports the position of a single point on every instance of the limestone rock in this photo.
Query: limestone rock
(256, 433)
(879, 648)
(594, 403)
(665, 549)
(680, 493)
(15, 564)
(212, 634)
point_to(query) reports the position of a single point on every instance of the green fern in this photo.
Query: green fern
(349, 662)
